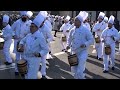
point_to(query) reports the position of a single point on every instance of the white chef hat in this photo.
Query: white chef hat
(44, 13)
(29, 14)
(105, 19)
(111, 19)
(67, 18)
(101, 15)
(79, 17)
(23, 13)
(6, 18)
(38, 20)
(82, 16)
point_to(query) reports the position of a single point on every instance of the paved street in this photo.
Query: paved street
(58, 67)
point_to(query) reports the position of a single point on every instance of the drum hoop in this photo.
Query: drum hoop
(73, 64)
(22, 63)
(70, 56)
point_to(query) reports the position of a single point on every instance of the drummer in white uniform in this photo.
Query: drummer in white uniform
(7, 36)
(44, 29)
(35, 50)
(98, 28)
(65, 32)
(80, 38)
(109, 37)
(20, 28)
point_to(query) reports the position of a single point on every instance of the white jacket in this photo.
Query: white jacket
(7, 32)
(107, 33)
(34, 43)
(100, 26)
(46, 33)
(79, 36)
(87, 25)
(21, 29)
(65, 27)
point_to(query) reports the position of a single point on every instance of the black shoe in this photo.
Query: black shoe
(113, 68)
(109, 63)
(49, 52)
(97, 57)
(43, 77)
(105, 71)
(100, 59)
(7, 63)
(23, 76)
(63, 50)
(16, 73)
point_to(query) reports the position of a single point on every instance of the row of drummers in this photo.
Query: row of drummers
(78, 38)
(106, 36)
(35, 37)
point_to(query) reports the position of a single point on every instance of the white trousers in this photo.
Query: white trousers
(43, 67)
(78, 70)
(19, 55)
(48, 55)
(111, 57)
(64, 44)
(6, 50)
(99, 49)
(33, 67)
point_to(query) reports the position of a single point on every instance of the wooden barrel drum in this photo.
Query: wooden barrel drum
(107, 49)
(73, 60)
(97, 39)
(64, 39)
(22, 66)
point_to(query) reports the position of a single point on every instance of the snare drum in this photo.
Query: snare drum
(73, 60)
(22, 66)
(1, 43)
(97, 39)
(107, 49)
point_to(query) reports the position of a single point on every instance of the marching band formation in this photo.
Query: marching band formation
(32, 41)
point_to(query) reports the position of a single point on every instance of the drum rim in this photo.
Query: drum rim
(22, 65)
(74, 64)
(19, 64)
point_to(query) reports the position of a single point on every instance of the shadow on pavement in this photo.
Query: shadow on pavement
(58, 69)
(7, 74)
(116, 71)
(117, 60)
(95, 63)
(95, 76)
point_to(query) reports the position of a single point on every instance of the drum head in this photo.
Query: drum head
(22, 61)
